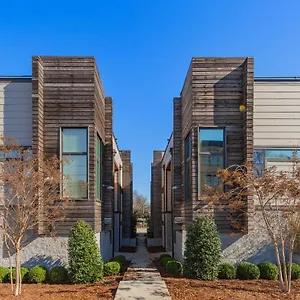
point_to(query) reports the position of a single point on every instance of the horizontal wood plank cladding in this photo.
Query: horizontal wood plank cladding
(66, 94)
(213, 91)
(127, 197)
(156, 194)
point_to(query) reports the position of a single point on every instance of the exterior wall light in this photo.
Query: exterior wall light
(109, 187)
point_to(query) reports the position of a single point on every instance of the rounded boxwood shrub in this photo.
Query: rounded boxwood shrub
(3, 274)
(202, 249)
(165, 260)
(227, 271)
(174, 266)
(112, 268)
(121, 259)
(268, 271)
(37, 274)
(58, 275)
(164, 255)
(24, 275)
(246, 271)
(85, 262)
(295, 270)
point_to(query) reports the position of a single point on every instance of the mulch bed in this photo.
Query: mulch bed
(106, 289)
(157, 249)
(181, 288)
(190, 289)
(128, 249)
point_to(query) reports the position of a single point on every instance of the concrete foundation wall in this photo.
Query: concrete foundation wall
(44, 251)
(254, 247)
(106, 245)
(52, 251)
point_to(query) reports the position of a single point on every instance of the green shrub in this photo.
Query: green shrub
(85, 262)
(268, 271)
(295, 270)
(37, 274)
(202, 249)
(165, 260)
(246, 270)
(164, 255)
(24, 275)
(112, 268)
(58, 275)
(3, 274)
(174, 266)
(121, 259)
(227, 271)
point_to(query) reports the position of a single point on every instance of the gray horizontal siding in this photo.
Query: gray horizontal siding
(16, 111)
(277, 114)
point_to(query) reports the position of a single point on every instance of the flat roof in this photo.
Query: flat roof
(26, 78)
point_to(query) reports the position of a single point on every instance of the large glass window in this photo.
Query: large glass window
(266, 158)
(74, 150)
(99, 151)
(187, 167)
(211, 156)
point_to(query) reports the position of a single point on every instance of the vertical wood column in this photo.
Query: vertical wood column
(156, 194)
(127, 198)
(248, 95)
(177, 194)
(108, 180)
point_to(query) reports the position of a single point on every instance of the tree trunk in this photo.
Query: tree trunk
(277, 256)
(291, 250)
(18, 273)
(285, 273)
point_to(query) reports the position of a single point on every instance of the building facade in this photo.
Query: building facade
(62, 110)
(224, 116)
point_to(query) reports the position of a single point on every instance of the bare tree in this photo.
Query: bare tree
(30, 198)
(276, 197)
(141, 206)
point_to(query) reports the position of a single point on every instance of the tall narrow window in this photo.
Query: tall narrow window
(74, 150)
(211, 156)
(187, 167)
(99, 151)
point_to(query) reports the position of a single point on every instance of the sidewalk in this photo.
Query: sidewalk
(142, 281)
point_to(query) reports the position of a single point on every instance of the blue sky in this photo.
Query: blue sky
(143, 49)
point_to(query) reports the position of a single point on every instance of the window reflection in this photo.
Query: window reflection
(211, 156)
(74, 146)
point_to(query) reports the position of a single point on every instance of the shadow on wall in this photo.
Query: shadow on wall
(228, 96)
(42, 260)
(29, 239)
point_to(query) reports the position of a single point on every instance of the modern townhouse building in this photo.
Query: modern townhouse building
(224, 116)
(62, 110)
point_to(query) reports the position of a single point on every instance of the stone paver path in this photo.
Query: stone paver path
(142, 281)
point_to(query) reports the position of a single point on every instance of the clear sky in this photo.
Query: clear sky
(143, 49)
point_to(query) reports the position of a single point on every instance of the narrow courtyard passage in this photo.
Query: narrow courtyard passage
(142, 280)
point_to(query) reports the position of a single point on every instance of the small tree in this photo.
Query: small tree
(85, 262)
(277, 211)
(202, 249)
(30, 198)
(141, 206)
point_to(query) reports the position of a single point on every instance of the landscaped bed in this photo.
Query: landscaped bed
(104, 289)
(191, 289)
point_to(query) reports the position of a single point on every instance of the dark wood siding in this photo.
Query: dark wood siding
(67, 92)
(212, 93)
(127, 197)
